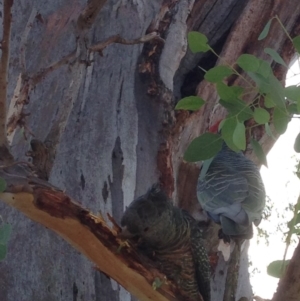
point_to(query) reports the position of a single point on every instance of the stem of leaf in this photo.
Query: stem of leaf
(282, 26)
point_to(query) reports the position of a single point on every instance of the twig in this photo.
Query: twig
(3, 69)
(36, 78)
(119, 40)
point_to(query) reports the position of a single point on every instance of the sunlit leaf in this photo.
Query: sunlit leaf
(296, 43)
(203, 147)
(280, 120)
(275, 56)
(265, 31)
(191, 103)
(217, 73)
(248, 62)
(197, 42)
(277, 268)
(261, 116)
(3, 251)
(5, 231)
(297, 144)
(259, 152)
(239, 136)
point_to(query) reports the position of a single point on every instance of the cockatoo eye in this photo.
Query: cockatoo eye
(146, 229)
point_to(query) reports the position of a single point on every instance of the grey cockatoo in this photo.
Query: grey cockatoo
(172, 239)
(232, 193)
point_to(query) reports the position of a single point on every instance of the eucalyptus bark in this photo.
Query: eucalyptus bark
(105, 117)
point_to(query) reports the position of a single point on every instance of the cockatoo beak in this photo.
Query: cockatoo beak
(125, 234)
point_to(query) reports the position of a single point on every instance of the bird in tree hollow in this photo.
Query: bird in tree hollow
(172, 239)
(232, 192)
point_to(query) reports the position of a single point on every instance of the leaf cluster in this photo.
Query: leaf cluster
(272, 103)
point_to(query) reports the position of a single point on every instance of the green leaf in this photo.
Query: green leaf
(292, 109)
(292, 93)
(277, 92)
(217, 73)
(237, 108)
(248, 62)
(269, 131)
(261, 156)
(298, 105)
(191, 103)
(2, 185)
(297, 144)
(3, 251)
(261, 116)
(275, 56)
(5, 231)
(264, 69)
(269, 103)
(280, 120)
(228, 129)
(203, 147)
(262, 83)
(296, 42)
(265, 31)
(229, 93)
(277, 268)
(239, 136)
(197, 42)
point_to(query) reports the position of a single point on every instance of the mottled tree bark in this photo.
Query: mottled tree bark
(104, 124)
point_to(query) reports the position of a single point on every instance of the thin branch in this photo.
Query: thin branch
(119, 40)
(3, 68)
(39, 76)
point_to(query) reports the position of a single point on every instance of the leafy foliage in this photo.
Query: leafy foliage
(203, 147)
(265, 31)
(261, 82)
(191, 103)
(277, 268)
(198, 42)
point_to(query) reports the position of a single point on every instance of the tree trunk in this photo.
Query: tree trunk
(111, 119)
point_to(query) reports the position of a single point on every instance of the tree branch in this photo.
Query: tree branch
(86, 232)
(119, 40)
(289, 285)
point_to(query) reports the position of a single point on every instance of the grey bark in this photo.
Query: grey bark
(108, 152)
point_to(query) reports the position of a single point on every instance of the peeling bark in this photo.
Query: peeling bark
(85, 106)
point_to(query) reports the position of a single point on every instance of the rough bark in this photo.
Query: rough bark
(107, 124)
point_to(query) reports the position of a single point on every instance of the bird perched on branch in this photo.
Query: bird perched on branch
(232, 193)
(172, 239)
